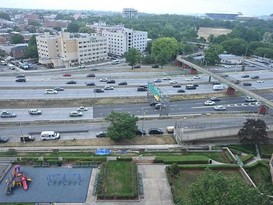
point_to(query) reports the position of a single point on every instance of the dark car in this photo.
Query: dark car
(98, 90)
(176, 86)
(180, 91)
(190, 87)
(155, 131)
(4, 139)
(101, 134)
(20, 76)
(123, 83)
(91, 75)
(215, 99)
(155, 66)
(137, 66)
(20, 80)
(159, 106)
(255, 77)
(141, 89)
(154, 103)
(247, 84)
(71, 82)
(140, 132)
(143, 86)
(216, 83)
(90, 84)
(110, 81)
(59, 88)
(6, 114)
(27, 138)
(244, 76)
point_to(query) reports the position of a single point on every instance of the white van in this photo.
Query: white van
(50, 135)
(114, 62)
(218, 87)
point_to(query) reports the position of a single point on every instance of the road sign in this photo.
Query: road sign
(154, 90)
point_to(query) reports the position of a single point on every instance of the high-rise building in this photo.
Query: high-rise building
(68, 49)
(129, 13)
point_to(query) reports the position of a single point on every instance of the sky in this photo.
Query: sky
(247, 7)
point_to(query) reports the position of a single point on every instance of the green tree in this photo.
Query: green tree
(16, 39)
(213, 188)
(122, 126)
(236, 46)
(164, 49)
(264, 52)
(212, 54)
(86, 30)
(132, 57)
(31, 51)
(253, 132)
(73, 27)
(5, 16)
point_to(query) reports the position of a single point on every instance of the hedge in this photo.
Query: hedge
(210, 166)
(186, 159)
(247, 158)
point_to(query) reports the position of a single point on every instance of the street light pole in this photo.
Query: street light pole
(142, 127)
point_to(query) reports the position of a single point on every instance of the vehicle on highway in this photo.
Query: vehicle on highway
(75, 114)
(91, 75)
(20, 76)
(173, 81)
(190, 87)
(260, 81)
(20, 80)
(224, 75)
(141, 89)
(218, 87)
(51, 91)
(255, 77)
(216, 83)
(209, 103)
(137, 66)
(140, 132)
(82, 108)
(244, 76)
(34, 112)
(4, 139)
(111, 81)
(6, 114)
(154, 103)
(157, 80)
(170, 129)
(250, 99)
(155, 66)
(155, 131)
(215, 99)
(50, 135)
(219, 108)
(167, 78)
(82, 66)
(101, 134)
(67, 75)
(71, 82)
(90, 84)
(196, 77)
(103, 80)
(181, 91)
(98, 90)
(114, 62)
(123, 83)
(247, 84)
(107, 87)
(159, 106)
(27, 138)
(176, 86)
(59, 88)
(188, 79)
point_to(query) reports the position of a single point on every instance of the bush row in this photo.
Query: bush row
(247, 158)
(182, 159)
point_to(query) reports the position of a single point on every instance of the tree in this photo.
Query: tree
(212, 54)
(132, 57)
(236, 46)
(253, 132)
(5, 16)
(16, 39)
(122, 126)
(86, 30)
(73, 27)
(31, 51)
(164, 49)
(215, 188)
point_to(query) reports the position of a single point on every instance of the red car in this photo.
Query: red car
(67, 75)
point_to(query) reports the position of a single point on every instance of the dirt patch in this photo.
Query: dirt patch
(206, 31)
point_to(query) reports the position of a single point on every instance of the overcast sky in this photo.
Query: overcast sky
(247, 7)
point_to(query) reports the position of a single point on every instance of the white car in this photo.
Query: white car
(167, 78)
(188, 79)
(103, 80)
(82, 66)
(219, 108)
(209, 103)
(196, 77)
(34, 112)
(107, 87)
(173, 82)
(260, 81)
(51, 91)
(250, 99)
(82, 108)
(75, 114)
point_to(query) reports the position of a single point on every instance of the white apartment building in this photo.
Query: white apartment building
(121, 39)
(68, 49)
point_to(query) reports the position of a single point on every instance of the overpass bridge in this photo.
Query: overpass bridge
(232, 86)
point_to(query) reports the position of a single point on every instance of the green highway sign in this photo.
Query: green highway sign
(154, 90)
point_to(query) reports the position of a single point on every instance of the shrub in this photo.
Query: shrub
(247, 158)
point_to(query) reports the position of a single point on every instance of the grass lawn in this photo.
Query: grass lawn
(266, 150)
(248, 149)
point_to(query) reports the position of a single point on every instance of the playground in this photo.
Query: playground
(45, 184)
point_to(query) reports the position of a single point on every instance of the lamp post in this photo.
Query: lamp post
(142, 127)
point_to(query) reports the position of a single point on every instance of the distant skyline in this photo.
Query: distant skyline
(247, 7)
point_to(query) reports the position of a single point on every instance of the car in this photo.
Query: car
(255, 77)
(180, 91)
(143, 86)
(247, 84)
(219, 108)
(188, 79)
(159, 106)
(103, 80)
(20, 80)
(59, 89)
(91, 75)
(196, 77)
(82, 108)
(123, 83)
(101, 134)
(215, 99)
(4, 139)
(155, 131)
(196, 85)
(167, 78)
(190, 87)
(140, 132)
(20, 76)
(170, 129)
(34, 112)
(110, 81)
(27, 138)
(82, 66)
(71, 82)
(224, 75)
(260, 81)
(75, 114)
(250, 99)
(209, 103)
(51, 91)
(244, 76)
(108, 87)
(216, 83)
(67, 75)
(173, 81)
(154, 103)
(157, 80)
(141, 89)
(155, 66)
(137, 66)
(176, 86)
(6, 114)
(90, 84)
(98, 90)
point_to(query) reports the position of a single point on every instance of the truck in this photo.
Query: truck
(218, 87)
(27, 138)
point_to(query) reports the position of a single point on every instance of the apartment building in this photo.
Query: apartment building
(66, 49)
(121, 39)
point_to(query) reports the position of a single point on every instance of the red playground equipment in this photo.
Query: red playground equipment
(17, 178)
